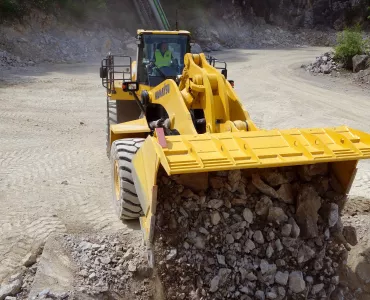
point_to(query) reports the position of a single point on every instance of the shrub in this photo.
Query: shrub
(349, 44)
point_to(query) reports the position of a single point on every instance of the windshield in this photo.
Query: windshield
(163, 57)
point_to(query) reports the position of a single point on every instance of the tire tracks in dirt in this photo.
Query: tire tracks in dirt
(54, 177)
(17, 239)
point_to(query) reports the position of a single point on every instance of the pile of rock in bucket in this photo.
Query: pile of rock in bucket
(272, 234)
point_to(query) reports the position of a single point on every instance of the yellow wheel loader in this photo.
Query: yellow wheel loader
(185, 118)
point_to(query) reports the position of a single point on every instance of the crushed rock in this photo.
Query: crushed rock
(323, 64)
(86, 266)
(256, 247)
(107, 264)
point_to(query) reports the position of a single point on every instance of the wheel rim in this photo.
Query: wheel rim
(117, 181)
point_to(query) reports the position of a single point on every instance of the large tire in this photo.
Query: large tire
(118, 112)
(125, 199)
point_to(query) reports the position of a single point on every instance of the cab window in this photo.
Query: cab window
(153, 72)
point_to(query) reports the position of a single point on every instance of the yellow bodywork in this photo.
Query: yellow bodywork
(137, 128)
(231, 140)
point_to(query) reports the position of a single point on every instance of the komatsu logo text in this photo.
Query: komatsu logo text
(163, 91)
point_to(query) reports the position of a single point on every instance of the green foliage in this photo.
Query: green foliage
(349, 44)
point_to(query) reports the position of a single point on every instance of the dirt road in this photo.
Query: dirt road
(55, 176)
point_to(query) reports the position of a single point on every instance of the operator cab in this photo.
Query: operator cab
(149, 71)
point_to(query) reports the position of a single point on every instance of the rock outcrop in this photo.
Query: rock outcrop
(307, 13)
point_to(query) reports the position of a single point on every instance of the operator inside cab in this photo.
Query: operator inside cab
(162, 56)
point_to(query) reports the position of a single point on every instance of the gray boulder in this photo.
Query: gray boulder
(359, 62)
(10, 289)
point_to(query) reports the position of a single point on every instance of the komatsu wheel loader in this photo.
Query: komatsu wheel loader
(186, 118)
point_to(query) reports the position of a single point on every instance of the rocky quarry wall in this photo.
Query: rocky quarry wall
(41, 37)
(308, 13)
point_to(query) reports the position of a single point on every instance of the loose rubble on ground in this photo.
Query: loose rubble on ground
(358, 70)
(104, 267)
(272, 234)
(363, 76)
(323, 64)
(18, 284)
(108, 264)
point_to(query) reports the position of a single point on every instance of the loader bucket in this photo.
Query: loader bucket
(341, 147)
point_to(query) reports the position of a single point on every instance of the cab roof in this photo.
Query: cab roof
(174, 32)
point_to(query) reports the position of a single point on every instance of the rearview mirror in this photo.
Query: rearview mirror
(130, 86)
(103, 72)
(224, 72)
